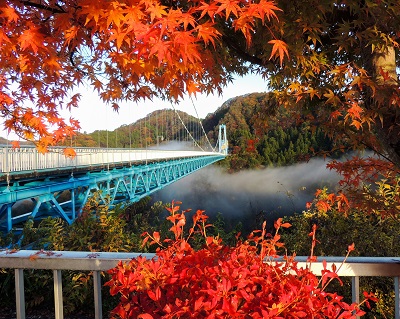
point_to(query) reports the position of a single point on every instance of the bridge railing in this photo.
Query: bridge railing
(29, 159)
(354, 267)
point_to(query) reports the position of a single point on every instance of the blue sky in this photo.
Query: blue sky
(95, 115)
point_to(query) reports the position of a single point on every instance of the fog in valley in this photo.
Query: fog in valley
(273, 192)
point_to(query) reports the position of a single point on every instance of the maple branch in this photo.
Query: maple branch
(233, 45)
(43, 6)
(381, 154)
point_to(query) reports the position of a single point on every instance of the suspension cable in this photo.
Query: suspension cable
(201, 125)
(140, 134)
(197, 144)
(130, 129)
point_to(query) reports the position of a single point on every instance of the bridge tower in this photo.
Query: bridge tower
(222, 140)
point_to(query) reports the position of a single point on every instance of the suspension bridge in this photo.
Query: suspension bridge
(35, 185)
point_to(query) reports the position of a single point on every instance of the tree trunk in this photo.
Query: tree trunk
(384, 66)
(385, 101)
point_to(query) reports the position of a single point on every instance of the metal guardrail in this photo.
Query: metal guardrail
(29, 159)
(57, 261)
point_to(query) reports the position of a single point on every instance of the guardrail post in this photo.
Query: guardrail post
(355, 289)
(98, 311)
(58, 298)
(20, 293)
(6, 167)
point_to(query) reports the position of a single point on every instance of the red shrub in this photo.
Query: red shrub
(219, 281)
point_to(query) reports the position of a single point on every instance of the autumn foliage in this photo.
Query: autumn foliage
(218, 281)
(125, 50)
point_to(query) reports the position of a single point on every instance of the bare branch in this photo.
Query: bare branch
(59, 9)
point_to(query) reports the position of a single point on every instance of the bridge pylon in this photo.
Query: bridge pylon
(222, 140)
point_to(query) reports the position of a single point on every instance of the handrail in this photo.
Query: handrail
(29, 159)
(58, 261)
(100, 261)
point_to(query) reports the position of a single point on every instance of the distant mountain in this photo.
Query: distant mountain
(4, 141)
(155, 130)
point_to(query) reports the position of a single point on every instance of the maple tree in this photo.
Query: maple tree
(340, 75)
(126, 50)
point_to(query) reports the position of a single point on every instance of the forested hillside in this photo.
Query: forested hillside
(259, 134)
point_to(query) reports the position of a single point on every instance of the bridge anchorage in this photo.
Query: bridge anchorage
(34, 185)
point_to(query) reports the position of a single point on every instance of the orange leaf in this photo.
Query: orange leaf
(279, 49)
(277, 223)
(355, 111)
(52, 63)
(207, 33)
(356, 124)
(15, 144)
(69, 152)
(208, 9)
(71, 34)
(31, 38)
(156, 11)
(156, 236)
(119, 38)
(192, 88)
(323, 206)
(160, 48)
(230, 7)
(9, 13)
(33, 257)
